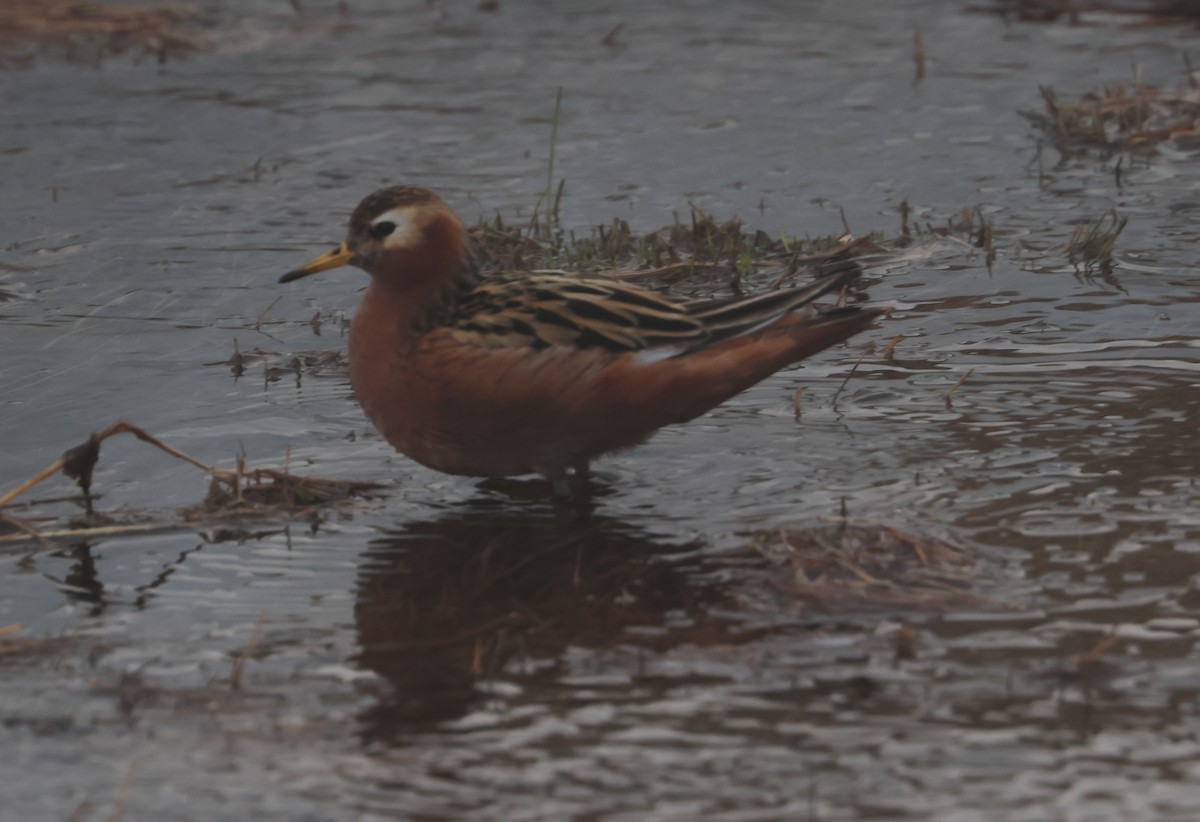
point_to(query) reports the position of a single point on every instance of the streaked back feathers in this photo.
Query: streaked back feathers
(543, 310)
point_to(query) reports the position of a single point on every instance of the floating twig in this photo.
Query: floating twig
(954, 387)
(610, 39)
(888, 352)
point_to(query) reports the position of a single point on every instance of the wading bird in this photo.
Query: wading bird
(499, 374)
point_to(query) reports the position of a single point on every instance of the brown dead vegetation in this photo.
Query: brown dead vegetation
(1121, 117)
(13, 643)
(851, 566)
(700, 252)
(100, 29)
(232, 493)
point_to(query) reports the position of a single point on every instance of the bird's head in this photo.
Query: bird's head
(397, 235)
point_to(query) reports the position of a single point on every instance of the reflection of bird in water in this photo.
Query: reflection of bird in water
(505, 374)
(443, 604)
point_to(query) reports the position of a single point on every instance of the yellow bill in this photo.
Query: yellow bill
(340, 256)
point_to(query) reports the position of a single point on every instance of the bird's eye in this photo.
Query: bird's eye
(381, 230)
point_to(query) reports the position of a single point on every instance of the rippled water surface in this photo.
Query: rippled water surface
(453, 649)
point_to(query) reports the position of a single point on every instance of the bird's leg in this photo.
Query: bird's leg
(582, 471)
(571, 483)
(561, 481)
(581, 482)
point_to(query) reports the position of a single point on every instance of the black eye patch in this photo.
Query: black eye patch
(381, 230)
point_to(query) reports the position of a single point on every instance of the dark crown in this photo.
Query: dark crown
(384, 200)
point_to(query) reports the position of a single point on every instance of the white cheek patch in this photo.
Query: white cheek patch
(407, 233)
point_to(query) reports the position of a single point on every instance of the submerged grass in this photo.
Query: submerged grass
(1092, 244)
(857, 566)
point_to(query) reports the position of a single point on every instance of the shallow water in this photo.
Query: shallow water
(455, 649)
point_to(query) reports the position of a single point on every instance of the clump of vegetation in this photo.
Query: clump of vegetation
(232, 493)
(276, 366)
(1091, 244)
(864, 566)
(969, 225)
(271, 491)
(97, 29)
(697, 252)
(1121, 118)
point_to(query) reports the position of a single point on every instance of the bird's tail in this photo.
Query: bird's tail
(735, 316)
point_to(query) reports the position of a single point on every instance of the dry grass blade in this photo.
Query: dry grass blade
(40, 476)
(87, 533)
(121, 796)
(239, 662)
(1097, 652)
(82, 811)
(1091, 671)
(78, 462)
(957, 383)
(918, 55)
(12, 644)
(17, 530)
(667, 273)
(846, 381)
